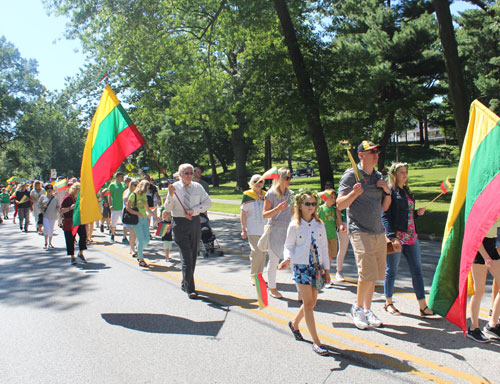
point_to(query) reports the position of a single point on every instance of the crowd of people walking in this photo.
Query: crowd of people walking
(308, 232)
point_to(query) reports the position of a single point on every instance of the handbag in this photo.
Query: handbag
(130, 218)
(40, 215)
(390, 246)
(263, 243)
(320, 272)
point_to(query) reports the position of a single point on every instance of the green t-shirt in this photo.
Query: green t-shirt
(4, 198)
(142, 202)
(329, 217)
(116, 190)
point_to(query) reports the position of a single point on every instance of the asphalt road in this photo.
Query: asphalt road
(110, 321)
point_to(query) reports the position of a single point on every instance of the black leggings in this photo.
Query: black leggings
(70, 240)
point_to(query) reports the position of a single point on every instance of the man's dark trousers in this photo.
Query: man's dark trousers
(187, 235)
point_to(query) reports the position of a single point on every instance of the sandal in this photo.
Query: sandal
(390, 308)
(425, 314)
(143, 264)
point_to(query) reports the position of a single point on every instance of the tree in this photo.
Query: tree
(458, 93)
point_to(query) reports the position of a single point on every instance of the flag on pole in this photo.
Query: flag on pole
(111, 138)
(61, 185)
(261, 287)
(474, 208)
(446, 185)
(11, 179)
(270, 174)
(162, 229)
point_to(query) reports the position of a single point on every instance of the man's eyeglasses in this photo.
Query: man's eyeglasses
(288, 178)
(308, 204)
(188, 173)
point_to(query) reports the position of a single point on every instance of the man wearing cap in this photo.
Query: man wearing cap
(365, 194)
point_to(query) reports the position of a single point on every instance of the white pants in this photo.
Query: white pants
(115, 215)
(48, 226)
(272, 269)
(343, 238)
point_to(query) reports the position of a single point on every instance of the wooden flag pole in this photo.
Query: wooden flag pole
(437, 197)
(354, 165)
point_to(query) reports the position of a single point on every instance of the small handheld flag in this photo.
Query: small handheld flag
(271, 174)
(446, 186)
(11, 179)
(162, 229)
(261, 287)
(61, 185)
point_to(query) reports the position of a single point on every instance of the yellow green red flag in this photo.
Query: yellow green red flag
(111, 138)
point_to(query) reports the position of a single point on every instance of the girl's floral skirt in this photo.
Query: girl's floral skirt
(304, 274)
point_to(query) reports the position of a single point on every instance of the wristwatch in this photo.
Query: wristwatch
(387, 194)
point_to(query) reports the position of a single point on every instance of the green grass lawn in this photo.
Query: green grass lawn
(424, 182)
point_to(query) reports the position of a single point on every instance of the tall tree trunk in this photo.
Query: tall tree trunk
(268, 158)
(306, 92)
(453, 67)
(426, 131)
(222, 161)
(240, 151)
(389, 129)
(421, 130)
(208, 143)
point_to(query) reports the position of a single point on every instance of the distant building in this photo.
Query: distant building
(413, 135)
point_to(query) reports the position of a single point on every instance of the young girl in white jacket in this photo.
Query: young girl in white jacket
(307, 244)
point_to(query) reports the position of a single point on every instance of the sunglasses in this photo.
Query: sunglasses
(308, 204)
(288, 178)
(188, 173)
(260, 182)
(373, 151)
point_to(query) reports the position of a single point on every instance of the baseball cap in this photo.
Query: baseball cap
(366, 145)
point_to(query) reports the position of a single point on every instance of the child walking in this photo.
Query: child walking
(331, 217)
(306, 247)
(166, 219)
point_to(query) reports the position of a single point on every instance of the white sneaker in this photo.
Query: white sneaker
(358, 317)
(372, 319)
(339, 277)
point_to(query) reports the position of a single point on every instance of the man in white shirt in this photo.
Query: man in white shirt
(185, 200)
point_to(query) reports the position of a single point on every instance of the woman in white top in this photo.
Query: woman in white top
(278, 212)
(48, 205)
(35, 195)
(252, 222)
(306, 247)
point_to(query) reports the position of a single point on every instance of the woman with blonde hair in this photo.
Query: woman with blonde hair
(278, 211)
(306, 247)
(137, 204)
(399, 223)
(67, 208)
(252, 222)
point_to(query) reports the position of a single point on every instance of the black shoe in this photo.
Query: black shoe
(477, 335)
(192, 295)
(320, 350)
(492, 332)
(102, 227)
(80, 255)
(296, 332)
(73, 260)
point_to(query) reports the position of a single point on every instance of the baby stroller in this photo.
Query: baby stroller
(210, 245)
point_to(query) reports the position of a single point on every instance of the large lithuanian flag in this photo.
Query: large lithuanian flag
(111, 138)
(475, 206)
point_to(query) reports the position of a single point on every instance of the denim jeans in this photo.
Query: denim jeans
(414, 259)
(141, 230)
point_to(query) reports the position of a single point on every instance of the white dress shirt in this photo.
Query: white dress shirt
(199, 199)
(298, 242)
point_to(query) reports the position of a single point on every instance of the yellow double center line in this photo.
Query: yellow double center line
(242, 302)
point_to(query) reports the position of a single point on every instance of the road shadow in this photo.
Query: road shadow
(219, 301)
(31, 276)
(161, 323)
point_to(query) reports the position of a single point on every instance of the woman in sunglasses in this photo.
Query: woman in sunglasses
(252, 222)
(278, 212)
(306, 247)
(399, 223)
